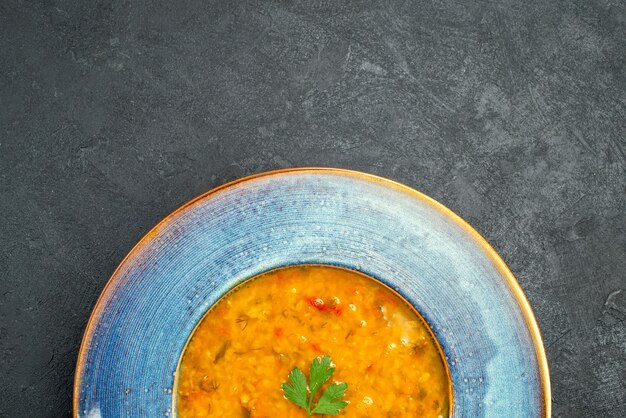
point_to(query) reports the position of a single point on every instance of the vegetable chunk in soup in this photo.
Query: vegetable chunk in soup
(245, 346)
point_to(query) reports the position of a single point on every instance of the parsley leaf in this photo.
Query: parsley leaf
(329, 403)
(302, 395)
(320, 373)
(297, 391)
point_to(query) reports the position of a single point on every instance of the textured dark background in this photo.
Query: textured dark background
(512, 113)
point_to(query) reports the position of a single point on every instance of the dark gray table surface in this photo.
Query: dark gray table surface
(512, 113)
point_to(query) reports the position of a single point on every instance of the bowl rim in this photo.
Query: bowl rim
(503, 269)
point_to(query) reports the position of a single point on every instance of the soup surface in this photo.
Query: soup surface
(247, 343)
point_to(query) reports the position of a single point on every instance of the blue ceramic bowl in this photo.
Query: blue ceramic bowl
(476, 309)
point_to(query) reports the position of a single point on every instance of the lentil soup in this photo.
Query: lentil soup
(245, 346)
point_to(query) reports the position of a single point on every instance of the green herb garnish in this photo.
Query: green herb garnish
(302, 394)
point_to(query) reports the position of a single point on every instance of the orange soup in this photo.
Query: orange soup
(245, 346)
